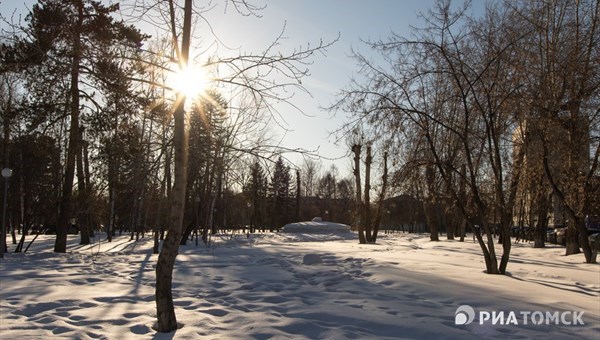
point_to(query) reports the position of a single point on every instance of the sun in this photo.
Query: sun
(191, 81)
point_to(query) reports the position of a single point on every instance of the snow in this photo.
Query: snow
(316, 226)
(310, 259)
(259, 287)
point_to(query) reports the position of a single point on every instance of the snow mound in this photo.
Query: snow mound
(315, 227)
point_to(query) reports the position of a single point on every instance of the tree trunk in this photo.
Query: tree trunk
(60, 245)
(186, 233)
(217, 204)
(384, 181)
(463, 227)
(165, 310)
(584, 241)
(450, 230)
(159, 217)
(5, 149)
(25, 201)
(505, 229)
(486, 254)
(133, 215)
(491, 260)
(210, 219)
(447, 212)
(140, 214)
(539, 233)
(489, 252)
(432, 221)
(297, 195)
(167, 179)
(358, 211)
(111, 218)
(572, 240)
(367, 202)
(82, 191)
(431, 206)
(506, 246)
(462, 197)
(167, 321)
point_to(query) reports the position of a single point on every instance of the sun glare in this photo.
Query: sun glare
(191, 81)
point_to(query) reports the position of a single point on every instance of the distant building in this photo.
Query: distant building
(535, 198)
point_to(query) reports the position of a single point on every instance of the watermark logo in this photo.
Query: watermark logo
(465, 315)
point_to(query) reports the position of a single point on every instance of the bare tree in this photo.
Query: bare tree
(247, 72)
(366, 204)
(356, 146)
(450, 80)
(562, 90)
(165, 310)
(310, 169)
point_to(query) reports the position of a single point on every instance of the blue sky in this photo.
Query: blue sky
(308, 21)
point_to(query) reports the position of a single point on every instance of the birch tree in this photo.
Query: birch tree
(249, 72)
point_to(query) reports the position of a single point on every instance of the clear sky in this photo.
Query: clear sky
(309, 21)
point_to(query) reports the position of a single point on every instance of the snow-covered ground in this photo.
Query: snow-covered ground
(402, 287)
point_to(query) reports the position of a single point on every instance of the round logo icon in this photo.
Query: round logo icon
(464, 315)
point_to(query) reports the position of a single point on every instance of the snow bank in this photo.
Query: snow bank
(316, 227)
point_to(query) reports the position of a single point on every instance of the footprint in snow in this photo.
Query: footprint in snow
(215, 312)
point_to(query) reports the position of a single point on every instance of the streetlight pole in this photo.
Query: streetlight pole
(6, 173)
